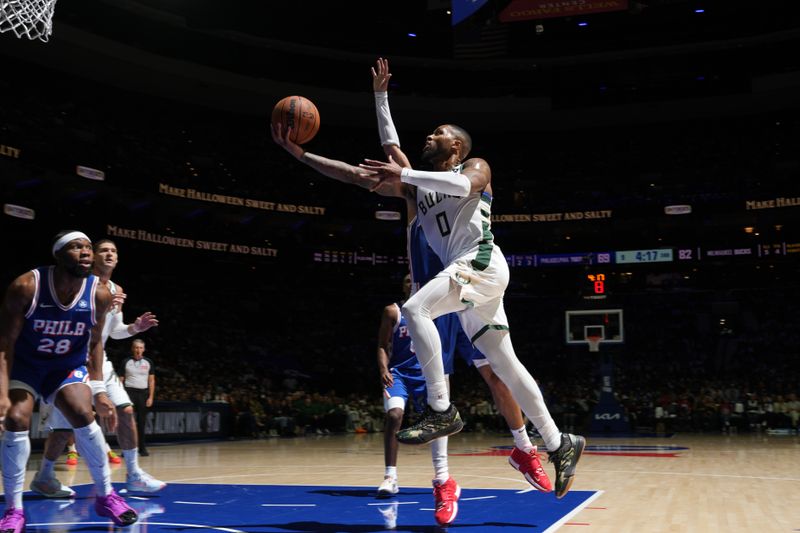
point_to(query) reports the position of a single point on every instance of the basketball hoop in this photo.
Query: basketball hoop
(28, 18)
(594, 343)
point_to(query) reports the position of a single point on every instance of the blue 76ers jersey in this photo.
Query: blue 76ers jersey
(425, 264)
(403, 356)
(57, 335)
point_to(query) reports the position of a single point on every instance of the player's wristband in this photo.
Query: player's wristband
(443, 182)
(386, 129)
(97, 387)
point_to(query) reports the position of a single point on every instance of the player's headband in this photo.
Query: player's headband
(71, 236)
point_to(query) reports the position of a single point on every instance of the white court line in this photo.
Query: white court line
(514, 479)
(691, 474)
(477, 498)
(572, 513)
(288, 505)
(393, 503)
(196, 503)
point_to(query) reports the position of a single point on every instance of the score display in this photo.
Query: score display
(658, 255)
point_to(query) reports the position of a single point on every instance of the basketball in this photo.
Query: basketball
(298, 113)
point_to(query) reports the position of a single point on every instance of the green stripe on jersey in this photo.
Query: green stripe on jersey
(485, 246)
(486, 328)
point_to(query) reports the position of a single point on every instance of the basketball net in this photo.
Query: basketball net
(28, 18)
(594, 343)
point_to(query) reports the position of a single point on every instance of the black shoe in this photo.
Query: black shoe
(144, 453)
(432, 425)
(565, 459)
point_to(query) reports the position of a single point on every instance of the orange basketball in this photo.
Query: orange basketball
(298, 113)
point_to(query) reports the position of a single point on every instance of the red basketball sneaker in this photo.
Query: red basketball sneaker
(529, 466)
(445, 496)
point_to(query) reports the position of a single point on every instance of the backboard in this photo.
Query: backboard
(604, 323)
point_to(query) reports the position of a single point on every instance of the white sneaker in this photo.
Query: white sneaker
(388, 488)
(143, 482)
(51, 488)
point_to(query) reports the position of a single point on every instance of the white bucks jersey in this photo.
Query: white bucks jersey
(456, 226)
(109, 323)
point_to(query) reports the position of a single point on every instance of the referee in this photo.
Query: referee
(140, 384)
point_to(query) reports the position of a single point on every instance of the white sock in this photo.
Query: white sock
(106, 446)
(496, 345)
(439, 457)
(16, 450)
(521, 440)
(71, 447)
(438, 395)
(89, 440)
(391, 472)
(47, 469)
(132, 461)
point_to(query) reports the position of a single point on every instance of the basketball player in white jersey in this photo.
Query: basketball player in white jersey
(454, 208)
(137, 480)
(524, 457)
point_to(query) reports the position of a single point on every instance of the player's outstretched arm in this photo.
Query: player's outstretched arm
(12, 318)
(475, 176)
(332, 168)
(121, 330)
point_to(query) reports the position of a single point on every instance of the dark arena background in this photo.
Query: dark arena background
(645, 157)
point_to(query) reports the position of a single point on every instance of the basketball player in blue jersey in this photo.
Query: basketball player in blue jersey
(50, 327)
(45, 482)
(454, 210)
(401, 378)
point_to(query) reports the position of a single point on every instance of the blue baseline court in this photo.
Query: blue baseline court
(300, 508)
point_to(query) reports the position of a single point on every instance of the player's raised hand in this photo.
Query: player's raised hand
(282, 138)
(381, 75)
(145, 321)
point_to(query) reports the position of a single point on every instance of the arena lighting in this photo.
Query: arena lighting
(699, 10)
(582, 24)
(749, 229)
(412, 34)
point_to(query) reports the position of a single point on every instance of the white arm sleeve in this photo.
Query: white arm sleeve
(443, 182)
(119, 330)
(386, 128)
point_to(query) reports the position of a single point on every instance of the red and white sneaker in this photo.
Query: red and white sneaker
(445, 496)
(529, 466)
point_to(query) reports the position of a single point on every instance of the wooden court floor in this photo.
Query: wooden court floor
(680, 484)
